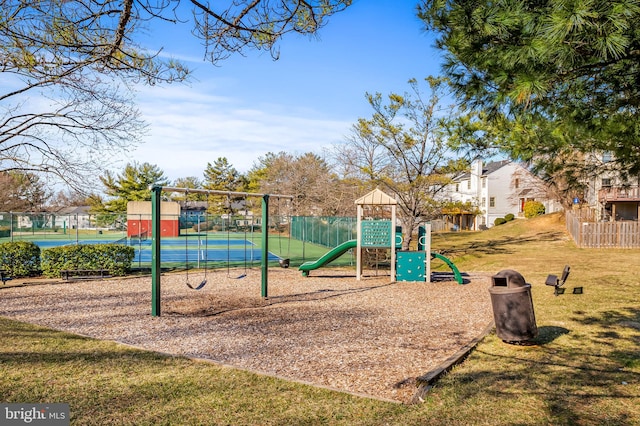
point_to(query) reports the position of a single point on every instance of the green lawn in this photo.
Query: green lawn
(584, 368)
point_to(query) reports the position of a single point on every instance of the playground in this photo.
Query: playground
(368, 337)
(371, 331)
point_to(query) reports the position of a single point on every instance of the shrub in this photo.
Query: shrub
(116, 258)
(509, 217)
(204, 226)
(20, 258)
(499, 221)
(533, 209)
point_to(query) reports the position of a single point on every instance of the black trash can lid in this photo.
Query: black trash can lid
(510, 278)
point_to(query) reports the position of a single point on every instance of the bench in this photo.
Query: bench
(84, 274)
(553, 280)
(4, 276)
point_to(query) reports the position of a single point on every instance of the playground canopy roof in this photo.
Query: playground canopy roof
(376, 198)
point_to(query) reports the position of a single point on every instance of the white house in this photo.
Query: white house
(495, 189)
(72, 218)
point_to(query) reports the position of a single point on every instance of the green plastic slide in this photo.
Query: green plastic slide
(328, 257)
(454, 269)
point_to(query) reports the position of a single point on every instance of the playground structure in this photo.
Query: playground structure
(156, 232)
(376, 230)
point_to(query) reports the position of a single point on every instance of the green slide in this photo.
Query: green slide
(456, 272)
(329, 256)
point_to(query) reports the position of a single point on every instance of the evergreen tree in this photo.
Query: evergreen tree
(222, 176)
(131, 185)
(554, 82)
(190, 182)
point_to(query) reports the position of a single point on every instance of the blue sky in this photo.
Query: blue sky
(303, 102)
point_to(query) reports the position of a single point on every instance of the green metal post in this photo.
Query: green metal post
(265, 245)
(155, 250)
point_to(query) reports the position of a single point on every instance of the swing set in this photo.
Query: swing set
(229, 219)
(186, 253)
(156, 195)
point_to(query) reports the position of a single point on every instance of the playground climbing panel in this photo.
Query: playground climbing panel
(411, 265)
(376, 233)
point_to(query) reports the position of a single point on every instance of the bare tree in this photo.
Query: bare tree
(403, 149)
(22, 192)
(316, 189)
(67, 198)
(69, 65)
(258, 24)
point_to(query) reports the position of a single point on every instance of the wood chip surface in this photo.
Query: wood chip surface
(368, 337)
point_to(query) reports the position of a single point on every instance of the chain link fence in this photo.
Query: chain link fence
(26, 226)
(298, 238)
(325, 231)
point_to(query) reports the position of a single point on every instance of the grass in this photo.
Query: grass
(107, 383)
(584, 367)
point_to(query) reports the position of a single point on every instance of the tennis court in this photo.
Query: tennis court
(195, 251)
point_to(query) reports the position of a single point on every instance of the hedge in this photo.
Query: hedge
(499, 221)
(116, 258)
(20, 258)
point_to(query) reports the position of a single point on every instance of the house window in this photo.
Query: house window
(469, 184)
(516, 183)
(484, 182)
(484, 202)
(492, 201)
(607, 157)
(606, 182)
(457, 187)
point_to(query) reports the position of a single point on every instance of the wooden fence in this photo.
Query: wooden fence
(622, 234)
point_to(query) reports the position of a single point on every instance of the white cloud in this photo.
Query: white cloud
(188, 127)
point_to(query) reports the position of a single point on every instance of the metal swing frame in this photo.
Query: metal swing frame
(156, 273)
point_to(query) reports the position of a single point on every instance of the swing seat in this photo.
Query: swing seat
(284, 263)
(198, 287)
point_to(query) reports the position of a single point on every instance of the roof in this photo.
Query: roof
(487, 169)
(494, 166)
(74, 210)
(376, 198)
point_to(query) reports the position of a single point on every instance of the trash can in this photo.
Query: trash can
(512, 307)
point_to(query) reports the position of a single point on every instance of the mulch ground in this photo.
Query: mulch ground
(368, 337)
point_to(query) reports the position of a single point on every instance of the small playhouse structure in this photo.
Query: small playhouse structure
(377, 229)
(377, 233)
